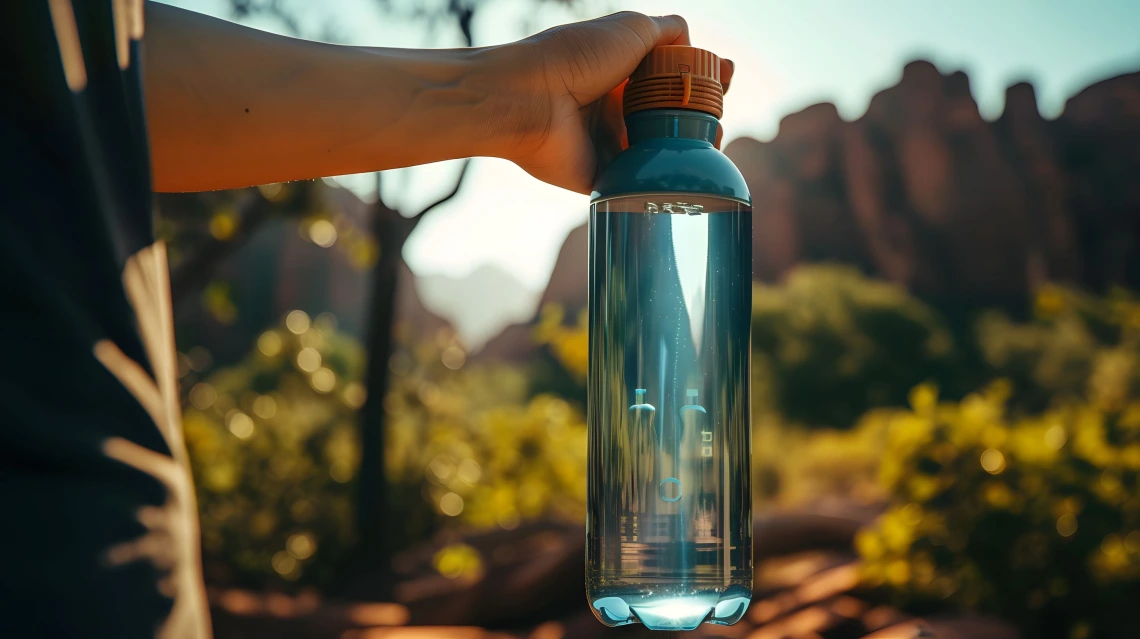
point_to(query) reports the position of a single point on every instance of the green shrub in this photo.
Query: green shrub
(1076, 346)
(829, 344)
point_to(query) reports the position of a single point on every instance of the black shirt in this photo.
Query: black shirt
(97, 516)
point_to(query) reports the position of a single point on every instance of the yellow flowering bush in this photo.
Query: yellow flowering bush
(569, 344)
(471, 446)
(273, 450)
(1034, 518)
(794, 465)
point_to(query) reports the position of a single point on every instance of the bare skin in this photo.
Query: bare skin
(229, 106)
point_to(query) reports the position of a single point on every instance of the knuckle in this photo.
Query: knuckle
(632, 15)
(635, 20)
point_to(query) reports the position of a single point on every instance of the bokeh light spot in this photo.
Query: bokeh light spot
(308, 360)
(271, 192)
(203, 395)
(302, 546)
(508, 519)
(269, 343)
(323, 380)
(993, 462)
(239, 424)
(451, 504)
(284, 563)
(458, 561)
(322, 233)
(469, 471)
(297, 322)
(453, 357)
(222, 225)
(442, 467)
(1112, 544)
(264, 406)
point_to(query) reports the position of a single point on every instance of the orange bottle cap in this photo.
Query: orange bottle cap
(676, 77)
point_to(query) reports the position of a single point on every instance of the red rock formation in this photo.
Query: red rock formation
(568, 280)
(1099, 151)
(924, 192)
(567, 288)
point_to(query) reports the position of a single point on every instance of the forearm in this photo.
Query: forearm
(229, 106)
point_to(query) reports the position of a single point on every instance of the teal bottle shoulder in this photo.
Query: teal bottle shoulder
(671, 151)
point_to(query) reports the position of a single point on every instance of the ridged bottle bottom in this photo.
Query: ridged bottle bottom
(682, 607)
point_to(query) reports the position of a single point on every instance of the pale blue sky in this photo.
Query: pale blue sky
(789, 55)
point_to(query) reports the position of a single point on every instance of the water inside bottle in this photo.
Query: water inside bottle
(669, 530)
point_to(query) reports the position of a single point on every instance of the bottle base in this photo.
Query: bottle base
(671, 610)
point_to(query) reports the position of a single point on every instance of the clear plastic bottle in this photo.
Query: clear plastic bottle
(669, 525)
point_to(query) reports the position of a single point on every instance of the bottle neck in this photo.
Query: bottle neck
(671, 123)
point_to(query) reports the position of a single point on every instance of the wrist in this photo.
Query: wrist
(515, 116)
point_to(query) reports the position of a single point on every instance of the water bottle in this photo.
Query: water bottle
(669, 524)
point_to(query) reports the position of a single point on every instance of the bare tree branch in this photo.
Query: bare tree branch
(463, 13)
(450, 194)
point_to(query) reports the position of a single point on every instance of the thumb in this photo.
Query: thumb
(652, 31)
(674, 30)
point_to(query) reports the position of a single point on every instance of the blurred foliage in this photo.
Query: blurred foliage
(1034, 517)
(559, 366)
(470, 446)
(1021, 499)
(569, 344)
(829, 344)
(273, 449)
(1076, 346)
(825, 332)
(189, 223)
(793, 465)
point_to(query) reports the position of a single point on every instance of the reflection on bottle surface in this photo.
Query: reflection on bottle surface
(669, 532)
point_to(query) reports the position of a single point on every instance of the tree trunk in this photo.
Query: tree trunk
(373, 526)
(372, 562)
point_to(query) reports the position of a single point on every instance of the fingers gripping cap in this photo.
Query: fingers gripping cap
(676, 77)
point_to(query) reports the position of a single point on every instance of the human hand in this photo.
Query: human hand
(566, 86)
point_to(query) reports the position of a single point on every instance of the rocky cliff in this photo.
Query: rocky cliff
(567, 288)
(924, 192)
